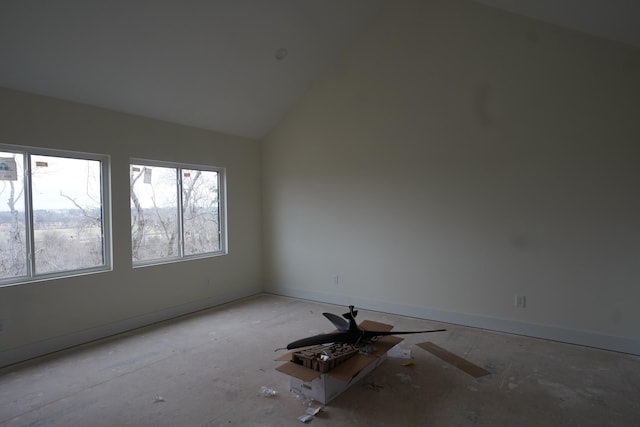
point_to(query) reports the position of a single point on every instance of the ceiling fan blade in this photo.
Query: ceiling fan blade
(337, 321)
(317, 340)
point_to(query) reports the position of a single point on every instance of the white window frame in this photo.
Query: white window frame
(105, 195)
(222, 211)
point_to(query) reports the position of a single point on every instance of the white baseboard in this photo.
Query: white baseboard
(554, 333)
(571, 336)
(40, 348)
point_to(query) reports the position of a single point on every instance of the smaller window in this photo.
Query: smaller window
(176, 211)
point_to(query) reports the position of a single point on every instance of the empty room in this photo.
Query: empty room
(198, 195)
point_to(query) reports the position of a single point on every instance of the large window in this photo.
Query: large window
(177, 211)
(53, 213)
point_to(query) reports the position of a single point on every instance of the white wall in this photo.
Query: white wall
(43, 316)
(457, 155)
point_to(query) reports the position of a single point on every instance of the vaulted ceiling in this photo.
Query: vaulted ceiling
(233, 66)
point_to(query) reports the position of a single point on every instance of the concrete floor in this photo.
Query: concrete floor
(206, 369)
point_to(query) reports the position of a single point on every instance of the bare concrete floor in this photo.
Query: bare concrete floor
(206, 369)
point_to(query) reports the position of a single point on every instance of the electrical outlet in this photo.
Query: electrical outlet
(336, 279)
(520, 301)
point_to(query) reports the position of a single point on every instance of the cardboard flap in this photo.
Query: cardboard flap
(384, 344)
(370, 325)
(352, 366)
(298, 371)
(349, 369)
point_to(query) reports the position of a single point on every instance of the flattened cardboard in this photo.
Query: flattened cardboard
(455, 360)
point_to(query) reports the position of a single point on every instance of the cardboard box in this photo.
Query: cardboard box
(326, 387)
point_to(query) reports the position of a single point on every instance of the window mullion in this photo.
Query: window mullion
(105, 210)
(180, 214)
(28, 210)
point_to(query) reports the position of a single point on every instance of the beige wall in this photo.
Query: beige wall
(46, 315)
(455, 156)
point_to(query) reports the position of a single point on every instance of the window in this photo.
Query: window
(177, 211)
(53, 213)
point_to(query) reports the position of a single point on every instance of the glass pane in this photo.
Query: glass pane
(154, 212)
(13, 244)
(67, 214)
(200, 211)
